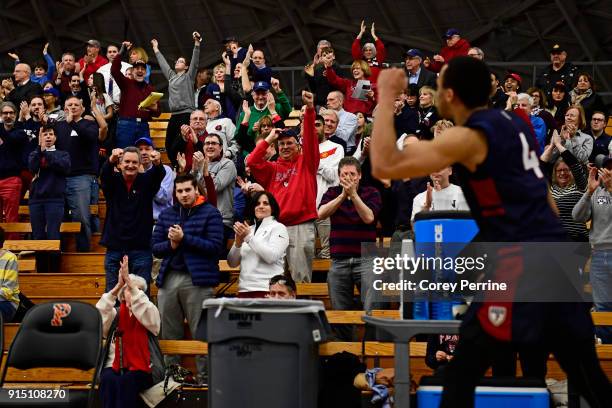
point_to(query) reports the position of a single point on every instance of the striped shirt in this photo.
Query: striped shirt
(9, 283)
(348, 231)
(567, 197)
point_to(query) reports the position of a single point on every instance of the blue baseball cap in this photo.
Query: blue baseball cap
(261, 86)
(414, 52)
(52, 91)
(144, 140)
(450, 32)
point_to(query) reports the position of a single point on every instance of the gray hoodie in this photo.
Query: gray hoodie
(180, 86)
(224, 175)
(598, 208)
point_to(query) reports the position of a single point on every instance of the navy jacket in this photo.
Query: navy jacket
(201, 245)
(49, 182)
(129, 217)
(11, 150)
(80, 140)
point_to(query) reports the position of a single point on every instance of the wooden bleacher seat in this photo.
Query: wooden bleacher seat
(163, 116)
(608, 128)
(158, 125)
(32, 245)
(26, 265)
(94, 209)
(26, 227)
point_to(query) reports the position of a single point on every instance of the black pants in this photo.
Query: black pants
(477, 350)
(173, 132)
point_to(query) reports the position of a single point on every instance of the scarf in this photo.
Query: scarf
(578, 97)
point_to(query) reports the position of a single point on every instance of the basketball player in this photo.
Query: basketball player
(494, 154)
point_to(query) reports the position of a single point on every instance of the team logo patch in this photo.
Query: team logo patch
(497, 315)
(60, 310)
(218, 127)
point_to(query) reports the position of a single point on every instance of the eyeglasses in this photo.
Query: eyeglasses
(210, 143)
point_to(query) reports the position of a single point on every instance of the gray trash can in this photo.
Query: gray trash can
(263, 352)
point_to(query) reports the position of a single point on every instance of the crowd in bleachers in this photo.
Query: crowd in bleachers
(243, 182)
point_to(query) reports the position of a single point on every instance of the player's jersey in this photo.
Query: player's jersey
(507, 193)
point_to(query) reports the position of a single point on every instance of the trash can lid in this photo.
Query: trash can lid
(266, 305)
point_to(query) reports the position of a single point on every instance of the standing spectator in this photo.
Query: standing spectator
(204, 87)
(43, 71)
(415, 72)
(9, 282)
(79, 137)
(602, 144)
(330, 127)
(236, 53)
(525, 102)
(99, 97)
(180, 90)
(78, 89)
(292, 180)
(347, 121)
(222, 126)
(259, 249)
(374, 54)
(50, 168)
(192, 138)
(139, 54)
(129, 219)
(330, 154)
(585, 94)
(596, 205)
(51, 97)
(260, 71)
(477, 53)
(189, 238)
(559, 103)
(498, 99)
(428, 113)
(25, 88)
(455, 47)
(573, 137)
(133, 122)
(164, 196)
(112, 51)
(315, 73)
(360, 72)
(406, 111)
(353, 210)
(65, 69)
(560, 70)
(12, 144)
(223, 172)
(92, 60)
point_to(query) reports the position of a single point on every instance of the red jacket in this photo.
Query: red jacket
(132, 93)
(293, 183)
(448, 53)
(93, 67)
(347, 86)
(374, 63)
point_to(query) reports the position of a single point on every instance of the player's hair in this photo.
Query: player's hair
(470, 78)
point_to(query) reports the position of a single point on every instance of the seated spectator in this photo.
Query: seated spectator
(525, 102)
(164, 197)
(406, 111)
(129, 218)
(282, 287)
(573, 138)
(540, 102)
(372, 53)
(129, 362)
(50, 168)
(499, 98)
(189, 238)
(139, 54)
(441, 196)
(512, 84)
(133, 121)
(602, 144)
(569, 182)
(92, 60)
(347, 121)
(9, 282)
(13, 143)
(292, 180)
(440, 351)
(360, 72)
(428, 113)
(455, 47)
(415, 72)
(180, 90)
(43, 71)
(559, 103)
(315, 72)
(595, 206)
(440, 126)
(260, 248)
(24, 88)
(222, 126)
(585, 94)
(353, 210)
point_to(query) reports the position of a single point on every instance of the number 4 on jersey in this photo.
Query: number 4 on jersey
(530, 159)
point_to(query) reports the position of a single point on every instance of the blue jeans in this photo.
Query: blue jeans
(601, 283)
(95, 197)
(46, 218)
(128, 131)
(7, 310)
(140, 263)
(78, 196)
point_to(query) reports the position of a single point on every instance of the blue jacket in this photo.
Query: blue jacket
(49, 181)
(201, 245)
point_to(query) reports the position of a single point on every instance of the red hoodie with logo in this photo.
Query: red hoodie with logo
(461, 48)
(292, 182)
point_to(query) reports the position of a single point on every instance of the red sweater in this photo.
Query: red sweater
(374, 63)
(448, 53)
(132, 93)
(93, 67)
(347, 86)
(293, 183)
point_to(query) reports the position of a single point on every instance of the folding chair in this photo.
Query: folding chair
(58, 336)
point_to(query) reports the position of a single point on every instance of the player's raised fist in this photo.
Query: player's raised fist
(392, 82)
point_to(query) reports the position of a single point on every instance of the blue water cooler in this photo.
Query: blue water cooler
(440, 234)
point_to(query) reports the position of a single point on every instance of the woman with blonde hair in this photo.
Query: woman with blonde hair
(360, 71)
(139, 54)
(428, 113)
(572, 136)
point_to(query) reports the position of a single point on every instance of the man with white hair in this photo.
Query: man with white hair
(347, 121)
(525, 103)
(221, 126)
